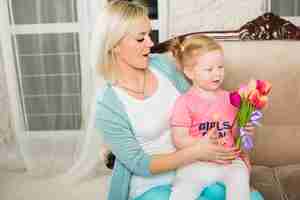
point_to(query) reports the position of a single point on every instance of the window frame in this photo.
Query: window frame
(83, 23)
(8, 30)
(293, 19)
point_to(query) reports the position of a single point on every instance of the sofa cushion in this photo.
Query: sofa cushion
(263, 179)
(276, 145)
(289, 178)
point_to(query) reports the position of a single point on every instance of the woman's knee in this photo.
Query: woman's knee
(217, 192)
(213, 192)
(256, 195)
(157, 193)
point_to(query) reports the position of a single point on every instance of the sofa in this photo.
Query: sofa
(276, 156)
(253, 52)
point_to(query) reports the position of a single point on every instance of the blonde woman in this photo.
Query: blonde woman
(133, 109)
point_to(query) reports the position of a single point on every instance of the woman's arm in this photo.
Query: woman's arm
(184, 155)
(128, 151)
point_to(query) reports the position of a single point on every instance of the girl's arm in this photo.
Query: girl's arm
(181, 137)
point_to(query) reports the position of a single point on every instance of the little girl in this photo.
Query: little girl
(203, 107)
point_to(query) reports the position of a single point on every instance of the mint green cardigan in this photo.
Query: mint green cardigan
(117, 131)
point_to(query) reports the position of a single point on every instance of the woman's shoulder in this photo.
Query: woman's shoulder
(163, 62)
(103, 93)
(109, 108)
(106, 98)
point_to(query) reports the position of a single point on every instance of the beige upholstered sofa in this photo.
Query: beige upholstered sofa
(276, 157)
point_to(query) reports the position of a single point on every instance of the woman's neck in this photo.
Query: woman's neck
(133, 80)
(131, 76)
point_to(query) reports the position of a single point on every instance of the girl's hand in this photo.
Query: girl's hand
(250, 129)
(208, 149)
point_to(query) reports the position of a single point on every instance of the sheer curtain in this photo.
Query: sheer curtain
(49, 44)
(5, 132)
(10, 158)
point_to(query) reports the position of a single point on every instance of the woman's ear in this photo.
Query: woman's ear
(116, 49)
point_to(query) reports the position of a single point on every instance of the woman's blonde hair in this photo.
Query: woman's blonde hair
(191, 46)
(114, 22)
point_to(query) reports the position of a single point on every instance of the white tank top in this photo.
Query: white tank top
(150, 121)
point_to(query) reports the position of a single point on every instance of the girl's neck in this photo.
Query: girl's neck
(207, 94)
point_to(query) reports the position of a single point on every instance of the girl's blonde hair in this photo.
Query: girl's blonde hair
(191, 46)
(114, 22)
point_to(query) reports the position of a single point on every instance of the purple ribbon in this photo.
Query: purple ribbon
(255, 117)
(247, 140)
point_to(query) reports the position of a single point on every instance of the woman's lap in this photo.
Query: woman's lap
(213, 192)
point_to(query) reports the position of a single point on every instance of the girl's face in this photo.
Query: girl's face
(208, 70)
(133, 50)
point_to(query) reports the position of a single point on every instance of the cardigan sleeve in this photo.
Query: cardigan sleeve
(118, 135)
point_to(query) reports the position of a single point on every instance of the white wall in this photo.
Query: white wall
(207, 15)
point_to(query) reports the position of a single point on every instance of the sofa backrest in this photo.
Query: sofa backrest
(278, 139)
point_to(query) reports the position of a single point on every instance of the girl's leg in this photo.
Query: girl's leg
(186, 190)
(191, 180)
(204, 176)
(236, 179)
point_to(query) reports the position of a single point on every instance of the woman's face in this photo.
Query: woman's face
(208, 72)
(133, 50)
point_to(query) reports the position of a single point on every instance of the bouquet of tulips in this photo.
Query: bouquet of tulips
(250, 99)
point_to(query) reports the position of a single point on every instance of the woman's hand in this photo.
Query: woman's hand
(208, 149)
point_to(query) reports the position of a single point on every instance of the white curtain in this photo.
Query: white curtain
(54, 83)
(91, 156)
(10, 159)
(5, 132)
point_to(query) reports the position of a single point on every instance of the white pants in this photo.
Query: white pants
(191, 179)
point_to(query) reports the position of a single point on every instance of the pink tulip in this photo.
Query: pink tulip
(235, 99)
(243, 90)
(262, 101)
(254, 97)
(257, 100)
(252, 84)
(263, 86)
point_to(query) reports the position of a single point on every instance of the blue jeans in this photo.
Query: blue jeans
(213, 192)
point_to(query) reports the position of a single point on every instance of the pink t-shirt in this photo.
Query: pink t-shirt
(199, 115)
